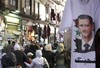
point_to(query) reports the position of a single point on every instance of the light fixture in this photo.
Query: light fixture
(16, 11)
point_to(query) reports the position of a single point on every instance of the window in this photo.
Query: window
(14, 3)
(28, 7)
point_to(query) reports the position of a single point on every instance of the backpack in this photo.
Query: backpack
(8, 60)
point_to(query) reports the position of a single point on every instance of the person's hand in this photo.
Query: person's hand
(18, 66)
(26, 63)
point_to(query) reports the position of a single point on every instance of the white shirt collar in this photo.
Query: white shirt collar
(90, 43)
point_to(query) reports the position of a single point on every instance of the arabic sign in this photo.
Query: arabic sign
(84, 60)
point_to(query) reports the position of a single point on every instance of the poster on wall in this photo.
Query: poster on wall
(83, 17)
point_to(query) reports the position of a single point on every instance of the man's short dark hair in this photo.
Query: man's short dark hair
(83, 16)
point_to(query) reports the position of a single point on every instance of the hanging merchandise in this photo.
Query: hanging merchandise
(35, 28)
(39, 31)
(44, 32)
(29, 28)
(48, 31)
(58, 17)
(52, 14)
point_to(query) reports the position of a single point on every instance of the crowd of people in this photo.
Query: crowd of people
(34, 56)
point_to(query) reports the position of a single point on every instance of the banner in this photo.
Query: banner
(83, 17)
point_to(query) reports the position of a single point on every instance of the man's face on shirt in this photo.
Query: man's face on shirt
(85, 27)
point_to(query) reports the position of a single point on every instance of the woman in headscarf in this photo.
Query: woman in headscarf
(39, 61)
(62, 57)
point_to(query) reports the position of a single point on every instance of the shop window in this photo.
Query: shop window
(27, 9)
(14, 3)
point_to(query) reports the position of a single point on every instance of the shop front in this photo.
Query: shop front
(12, 28)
